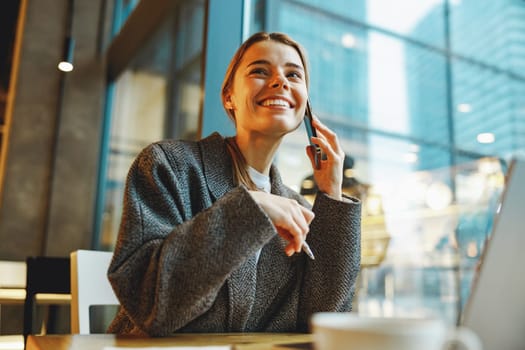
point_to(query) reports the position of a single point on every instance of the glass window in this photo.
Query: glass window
(138, 118)
(157, 96)
(254, 9)
(186, 77)
(489, 112)
(329, 42)
(365, 81)
(426, 129)
(121, 11)
(421, 20)
(492, 32)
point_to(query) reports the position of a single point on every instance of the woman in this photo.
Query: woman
(211, 239)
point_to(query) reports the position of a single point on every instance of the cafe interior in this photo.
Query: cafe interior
(427, 98)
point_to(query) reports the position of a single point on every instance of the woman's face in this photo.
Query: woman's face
(269, 93)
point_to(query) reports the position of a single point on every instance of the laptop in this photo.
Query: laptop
(495, 309)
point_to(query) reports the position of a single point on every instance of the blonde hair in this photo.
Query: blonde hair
(240, 170)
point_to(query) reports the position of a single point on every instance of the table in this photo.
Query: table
(241, 341)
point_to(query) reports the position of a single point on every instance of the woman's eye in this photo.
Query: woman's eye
(258, 71)
(295, 75)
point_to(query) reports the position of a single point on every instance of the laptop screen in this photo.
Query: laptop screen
(496, 307)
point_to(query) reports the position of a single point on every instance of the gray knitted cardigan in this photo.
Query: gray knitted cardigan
(185, 259)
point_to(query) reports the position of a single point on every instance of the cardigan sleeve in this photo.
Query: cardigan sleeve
(176, 248)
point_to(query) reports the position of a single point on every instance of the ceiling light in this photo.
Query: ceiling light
(348, 40)
(486, 137)
(410, 158)
(66, 64)
(464, 108)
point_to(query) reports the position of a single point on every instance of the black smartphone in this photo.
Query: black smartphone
(310, 131)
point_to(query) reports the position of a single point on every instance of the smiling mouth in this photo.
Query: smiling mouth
(277, 102)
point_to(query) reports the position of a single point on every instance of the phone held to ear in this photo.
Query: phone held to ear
(310, 130)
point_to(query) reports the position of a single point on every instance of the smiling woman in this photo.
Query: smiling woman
(267, 95)
(211, 238)
(264, 93)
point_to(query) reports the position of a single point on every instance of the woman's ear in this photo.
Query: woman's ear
(228, 102)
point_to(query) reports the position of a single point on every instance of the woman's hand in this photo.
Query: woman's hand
(291, 219)
(329, 176)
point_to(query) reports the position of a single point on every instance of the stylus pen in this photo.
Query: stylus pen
(308, 251)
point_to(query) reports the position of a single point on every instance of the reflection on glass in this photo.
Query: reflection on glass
(438, 221)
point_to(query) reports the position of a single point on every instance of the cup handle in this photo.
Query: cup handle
(465, 337)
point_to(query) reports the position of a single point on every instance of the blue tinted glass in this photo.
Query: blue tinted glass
(338, 63)
(156, 96)
(423, 96)
(489, 110)
(421, 20)
(492, 32)
(370, 80)
(122, 10)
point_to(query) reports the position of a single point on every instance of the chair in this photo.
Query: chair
(12, 292)
(12, 274)
(47, 282)
(12, 282)
(91, 291)
(12, 342)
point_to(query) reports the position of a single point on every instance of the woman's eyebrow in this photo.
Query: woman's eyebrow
(265, 62)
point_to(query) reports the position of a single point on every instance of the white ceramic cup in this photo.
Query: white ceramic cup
(344, 331)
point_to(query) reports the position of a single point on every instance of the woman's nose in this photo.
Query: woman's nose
(279, 81)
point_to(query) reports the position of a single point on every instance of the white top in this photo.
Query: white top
(262, 182)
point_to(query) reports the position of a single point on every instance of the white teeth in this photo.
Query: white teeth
(275, 102)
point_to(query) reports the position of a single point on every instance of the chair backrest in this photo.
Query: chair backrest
(89, 287)
(48, 275)
(12, 282)
(12, 274)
